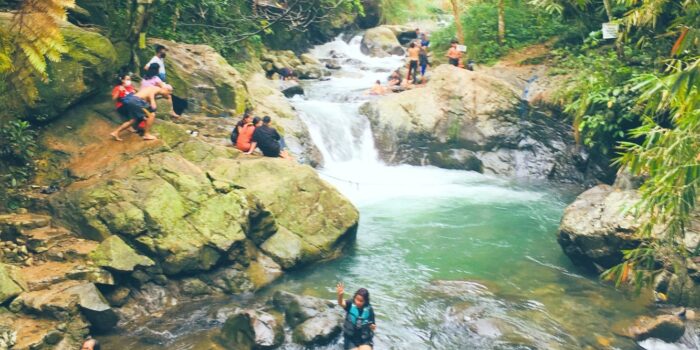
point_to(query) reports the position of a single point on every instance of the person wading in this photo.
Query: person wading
(413, 58)
(359, 325)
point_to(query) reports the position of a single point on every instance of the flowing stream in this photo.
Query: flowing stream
(421, 226)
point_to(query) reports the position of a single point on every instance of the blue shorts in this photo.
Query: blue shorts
(161, 76)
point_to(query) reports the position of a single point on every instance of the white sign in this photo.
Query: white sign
(462, 48)
(610, 30)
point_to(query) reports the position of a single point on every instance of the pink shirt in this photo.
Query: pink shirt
(154, 81)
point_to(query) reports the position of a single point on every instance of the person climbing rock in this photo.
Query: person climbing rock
(359, 325)
(268, 140)
(453, 54)
(120, 91)
(141, 107)
(152, 78)
(245, 136)
(413, 58)
(158, 58)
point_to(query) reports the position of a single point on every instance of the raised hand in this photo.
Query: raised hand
(340, 288)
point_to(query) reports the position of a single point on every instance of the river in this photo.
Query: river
(421, 226)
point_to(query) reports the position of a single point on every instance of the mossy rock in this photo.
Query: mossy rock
(82, 71)
(114, 254)
(10, 287)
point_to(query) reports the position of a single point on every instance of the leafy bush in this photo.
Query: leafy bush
(17, 147)
(480, 22)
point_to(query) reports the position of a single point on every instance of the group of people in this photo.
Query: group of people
(418, 58)
(138, 106)
(252, 133)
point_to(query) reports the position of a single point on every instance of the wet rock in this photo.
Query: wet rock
(473, 121)
(251, 329)
(298, 308)
(194, 287)
(668, 328)
(10, 283)
(595, 228)
(114, 254)
(118, 296)
(381, 42)
(286, 248)
(319, 330)
(290, 89)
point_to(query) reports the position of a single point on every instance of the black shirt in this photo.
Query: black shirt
(268, 140)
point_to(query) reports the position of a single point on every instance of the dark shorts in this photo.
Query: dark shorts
(123, 112)
(135, 107)
(413, 65)
(351, 343)
(454, 62)
(271, 152)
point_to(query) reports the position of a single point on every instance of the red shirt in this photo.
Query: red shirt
(244, 137)
(122, 91)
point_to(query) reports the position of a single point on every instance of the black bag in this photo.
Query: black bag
(179, 104)
(234, 135)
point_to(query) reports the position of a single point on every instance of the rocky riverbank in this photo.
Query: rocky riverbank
(137, 227)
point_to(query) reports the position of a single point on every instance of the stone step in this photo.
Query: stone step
(70, 248)
(43, 274)
(41, 239)
(11, 225)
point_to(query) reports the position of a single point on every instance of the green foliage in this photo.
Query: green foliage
(402, 11)
(523, 26)
(17, 148)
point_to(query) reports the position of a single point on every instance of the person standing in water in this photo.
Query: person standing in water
(453, 54)
(413, 58)
(359, 325)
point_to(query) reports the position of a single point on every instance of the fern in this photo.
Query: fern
(34, 36)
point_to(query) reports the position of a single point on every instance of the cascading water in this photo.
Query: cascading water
(452, 259)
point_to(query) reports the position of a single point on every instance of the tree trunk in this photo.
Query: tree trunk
(458, 22)
(618, 41)
(502, 22)
(139, 21)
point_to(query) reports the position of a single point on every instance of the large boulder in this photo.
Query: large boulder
(114, 254)
(472, 121)
(381, 42)
(202, 76)
(252, 329)
(314, 321)
(596, 227)
(82, 71)
(191, 206)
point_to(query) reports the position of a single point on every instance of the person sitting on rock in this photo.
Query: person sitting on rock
(245, 136)
(120, 91)
(377, 89)
(268, 140)
(237, 129)
(141, 107)
(395, 80)
(152, 78)
(359, 325)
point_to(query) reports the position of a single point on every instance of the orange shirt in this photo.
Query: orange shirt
(244, 137)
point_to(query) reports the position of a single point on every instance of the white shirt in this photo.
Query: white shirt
(160, 61)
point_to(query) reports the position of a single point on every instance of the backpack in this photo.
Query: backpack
(356, 324)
